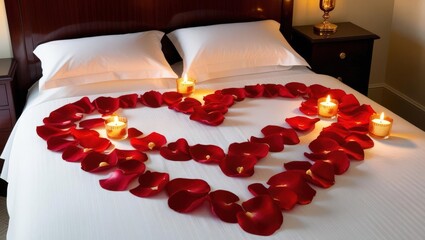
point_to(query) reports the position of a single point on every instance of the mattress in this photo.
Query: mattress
(380, 197)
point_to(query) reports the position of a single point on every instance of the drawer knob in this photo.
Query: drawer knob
(342, 55)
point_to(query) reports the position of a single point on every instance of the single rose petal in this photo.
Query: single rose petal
(274, 141)
(309, 107)
(85, 104)
(215, 107)
(237, 93)
(106, 105)
(364, 140)
(316, 156)
(171, 98)
(95, 143)
(258, 189)
(185, 195)
(150, 184)
(129, 167)
(224, 206)
(302, 123)
(58, 144)
(186, 106)
(176, 151)
(117, 181)
(83, 133)
(317, 91)
(134, 132)
(128, 101)
(152, 99)
(323, 145)
(261, 216)
(321, 174)
(124, 155)
(46, 132)
(96, 162)
(332, 135)
(354, 150)
(296, 88)
(74, 154)
(64, 117)
(227, 100)
(337, 94)
(289, 136)
(153, 141)
(297, 165)
(254, 91)
(296, 181)
(286, 198)
(271, 90)
(348, 103)
(257, 150)
(284, 92)
(214, 118)
(92, 123)
(207, 153)
(339, 160)
(238, 165)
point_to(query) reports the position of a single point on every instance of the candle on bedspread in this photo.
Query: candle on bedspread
(116, 127)
(185, 85)
(327, 107)
(380, 125)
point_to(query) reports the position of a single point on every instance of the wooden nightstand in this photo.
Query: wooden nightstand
(7, 106)
(346, 54)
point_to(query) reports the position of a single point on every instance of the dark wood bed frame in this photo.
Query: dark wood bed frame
(32, 22)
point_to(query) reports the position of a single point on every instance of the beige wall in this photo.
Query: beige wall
(406, 63)
(5, 47)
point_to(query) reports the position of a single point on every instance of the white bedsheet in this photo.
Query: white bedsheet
(381, 197)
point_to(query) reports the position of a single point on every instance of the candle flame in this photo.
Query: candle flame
(382, 116)
(115, 119)
(185, 78)
(328, 98)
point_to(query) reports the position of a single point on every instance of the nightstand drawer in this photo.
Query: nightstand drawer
(5, 119)
(3, 95)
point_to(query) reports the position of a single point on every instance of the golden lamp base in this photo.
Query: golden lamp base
(325, 28)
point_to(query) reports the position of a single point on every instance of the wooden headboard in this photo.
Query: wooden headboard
(32, 22)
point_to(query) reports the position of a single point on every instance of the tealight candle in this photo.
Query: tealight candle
(327, 107)
(116, 127)
(185, 85)
(380, 125)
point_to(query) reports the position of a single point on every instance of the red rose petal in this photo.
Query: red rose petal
(316, 156)
(215, 107)
(83, 133)
(106, 105)
(294, 180)
(92, 123)
(74, 154)
(257, 150)
(137, 155)
(258, 189)
(185, 195)
(337, 94)
(207, 153)
(186, 106)
(150, 184)
(284, 92)
(153, 141)
(364, 140)
(302, 123)
(309, 107)
(237, 93)
(152, 99)
(128, 101)
(46, 132)
(332, 135)
(171, 98)
(227, 100)
(85, 104)
(275, 142)
(134, 132)
(286, 198)
(271, 90)
(238, 165)
(117, 181)
(323, 145)
(95, 143)
(296, 88)
(212, 118)
(224, 206)
(96, 162)
(254, 91)
(58, 144)
(321, 174)
(354, 150)
(339, 160)
(176, 151)
(317, 91)
(348, 103)
(261, 216)
(289, 136)
(129, 167)
(297, 165)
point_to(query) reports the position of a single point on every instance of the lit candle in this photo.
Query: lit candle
(185, 85)
(327, 107)
(116, 127)
(380, 125)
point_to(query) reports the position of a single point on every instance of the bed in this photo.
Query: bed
(257, 162)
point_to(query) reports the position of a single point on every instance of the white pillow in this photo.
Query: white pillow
(102, 58)
(233, 49)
